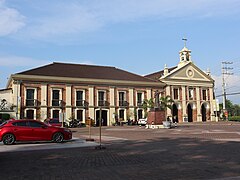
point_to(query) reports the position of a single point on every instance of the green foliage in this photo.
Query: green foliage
(166, 102)
(148, 103)
(234, 118)
(233, 109)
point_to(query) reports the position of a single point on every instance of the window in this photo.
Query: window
(55, 113)
(55, 97)
(101, 98)
(79, 98)
(22, 124)
(139, 99)
(204, 94)
(35, 124)
(30, 114)
(190, 93)
(121, 99)
(80, 115)
(30, 97)
(121, 114)
(175, 93)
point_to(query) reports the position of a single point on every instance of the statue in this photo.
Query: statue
(157, 102)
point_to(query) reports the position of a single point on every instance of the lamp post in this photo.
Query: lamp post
(100, 131)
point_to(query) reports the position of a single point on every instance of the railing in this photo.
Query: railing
(58, 103)
(32, 102)
(81, 103)
(103, 103)
(140, 104)
(123, 103)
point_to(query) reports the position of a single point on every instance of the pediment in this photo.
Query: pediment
(188, 72)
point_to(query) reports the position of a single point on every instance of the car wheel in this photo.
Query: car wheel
(58, 137)
(8, 139)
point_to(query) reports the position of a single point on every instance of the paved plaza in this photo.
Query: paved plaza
(189, 151)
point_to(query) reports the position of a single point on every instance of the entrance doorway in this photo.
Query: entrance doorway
(30, 114)
(204, 114)
(104, 117)
(190, 113)
(140, 114)
(175, 113)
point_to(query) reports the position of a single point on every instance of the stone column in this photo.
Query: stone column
(91, 102)
(43, 101)
(68, 101)
(184, 111)
(112, 106)
(199, 115)
(168, 93)
(131, 103)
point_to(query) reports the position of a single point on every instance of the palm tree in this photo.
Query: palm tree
(166, 102)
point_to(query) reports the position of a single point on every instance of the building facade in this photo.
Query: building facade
(74, 91)
(190, 88)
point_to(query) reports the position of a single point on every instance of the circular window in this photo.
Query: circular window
(190, 73)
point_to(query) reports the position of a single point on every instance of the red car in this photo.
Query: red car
(32, 130)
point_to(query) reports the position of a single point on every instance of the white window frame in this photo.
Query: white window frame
(83, 90)
(105, 95)
(60, 94)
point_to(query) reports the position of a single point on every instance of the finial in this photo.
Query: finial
(185, 41)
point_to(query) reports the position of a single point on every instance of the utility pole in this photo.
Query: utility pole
(225, 71)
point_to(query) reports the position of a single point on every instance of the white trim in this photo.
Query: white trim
(34, 112)
(84, 92)
(83, 114)
(25, 93)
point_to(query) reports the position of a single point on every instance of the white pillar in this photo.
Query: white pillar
(91, 102)
(199, 115)
(68, 101)
(184, 114)
(43, 101)
(168, 93)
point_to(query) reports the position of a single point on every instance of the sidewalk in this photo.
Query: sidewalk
(74, 143)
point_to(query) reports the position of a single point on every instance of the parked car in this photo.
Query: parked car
(32, 130)
(142, 121)
(54, 122)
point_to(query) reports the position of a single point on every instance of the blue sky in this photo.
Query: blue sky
(139, 36)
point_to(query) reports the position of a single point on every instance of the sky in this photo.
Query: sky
(139, 36)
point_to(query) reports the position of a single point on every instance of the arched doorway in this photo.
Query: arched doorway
(104, 117)
(203, 112)
(190, 113)
(175, 112)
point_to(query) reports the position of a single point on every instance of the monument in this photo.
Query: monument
(156, 116)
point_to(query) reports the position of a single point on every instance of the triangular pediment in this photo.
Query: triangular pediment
(188, 72)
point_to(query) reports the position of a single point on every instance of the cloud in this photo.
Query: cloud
(17, 61)
(58, 18)
(10, 20)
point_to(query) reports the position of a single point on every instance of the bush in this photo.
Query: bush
(234, 118)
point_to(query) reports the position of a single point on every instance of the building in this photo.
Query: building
(190, 88)
(61, 90)
(79, 92)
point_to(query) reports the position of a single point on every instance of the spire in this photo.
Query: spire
(185, 42)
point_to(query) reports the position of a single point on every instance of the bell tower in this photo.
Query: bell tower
(184, 54)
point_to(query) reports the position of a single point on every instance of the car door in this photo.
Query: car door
(41, 131)
(22, 131)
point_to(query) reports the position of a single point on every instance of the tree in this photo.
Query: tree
(166, 102)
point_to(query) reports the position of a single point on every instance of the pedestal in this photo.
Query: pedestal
(156, 117)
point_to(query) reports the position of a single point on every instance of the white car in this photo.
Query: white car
(142, 121)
